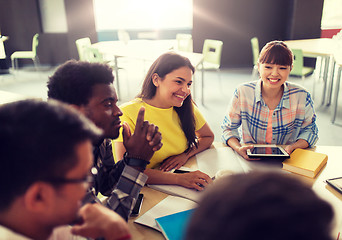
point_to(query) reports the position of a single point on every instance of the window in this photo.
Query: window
(332, 14)
(143, 14)
(53, 16)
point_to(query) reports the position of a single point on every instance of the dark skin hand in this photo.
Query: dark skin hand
(145, 140)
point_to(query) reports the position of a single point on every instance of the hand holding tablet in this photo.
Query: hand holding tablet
(267, 151)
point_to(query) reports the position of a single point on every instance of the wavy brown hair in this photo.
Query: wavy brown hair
(163, 65)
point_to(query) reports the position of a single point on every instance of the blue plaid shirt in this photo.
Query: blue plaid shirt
(247, 116)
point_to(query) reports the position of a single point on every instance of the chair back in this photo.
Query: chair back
(298, 62)
(93, 55)
(81, 45)
(184, 42)
(212, 50)
(123, 36)
(255, 50)
(35, 42)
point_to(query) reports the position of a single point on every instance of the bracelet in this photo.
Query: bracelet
(135, 161)
(128, 155)
(128, 236)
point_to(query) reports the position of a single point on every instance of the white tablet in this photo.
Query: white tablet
(267, 150)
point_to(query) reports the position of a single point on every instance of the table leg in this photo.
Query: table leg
(330, 81)
(325, 77)
(193, 90)
(116, 68)
(202, 83)
(335, 100)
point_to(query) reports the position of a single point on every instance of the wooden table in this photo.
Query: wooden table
(318, 47)
(331, 170)
(151, 198)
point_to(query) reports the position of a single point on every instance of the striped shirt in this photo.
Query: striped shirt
(293, 119)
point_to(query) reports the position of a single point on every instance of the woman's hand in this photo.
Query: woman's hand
(197, 180)
(300, 143)
(234, 143)
(174, 162)
(289, 149)
(242, 151)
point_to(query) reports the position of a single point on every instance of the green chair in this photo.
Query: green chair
(81, 45)
(27, 54)
(123, 36)
(298, 68)
(255, 52)
(184, 42)
(92, 54)
(212, 51)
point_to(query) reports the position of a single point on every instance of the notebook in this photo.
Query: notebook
(174, 226)
(210, 161)
(213, 160)
(305, 162)
(176, 190)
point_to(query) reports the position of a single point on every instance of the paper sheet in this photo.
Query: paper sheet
(176, 190)
(169, 205)
(212, 160)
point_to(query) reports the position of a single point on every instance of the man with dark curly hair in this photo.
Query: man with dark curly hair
(89, 88)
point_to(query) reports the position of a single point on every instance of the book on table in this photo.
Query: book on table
(305, 162)
(174, 226)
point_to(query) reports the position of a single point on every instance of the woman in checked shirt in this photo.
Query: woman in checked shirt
(271, 110)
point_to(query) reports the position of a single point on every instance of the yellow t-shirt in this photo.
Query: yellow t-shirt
(173, 138)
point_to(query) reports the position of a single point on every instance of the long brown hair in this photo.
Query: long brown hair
(163, 65)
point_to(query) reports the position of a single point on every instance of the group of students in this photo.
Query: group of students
(54, 157)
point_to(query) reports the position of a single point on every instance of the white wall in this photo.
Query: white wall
(332, 14)
(142, 14)
(53, 16)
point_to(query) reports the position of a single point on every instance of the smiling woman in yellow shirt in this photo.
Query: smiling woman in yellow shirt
(166, 97)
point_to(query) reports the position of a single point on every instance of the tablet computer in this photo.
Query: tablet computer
(267, 151)
(335, 183)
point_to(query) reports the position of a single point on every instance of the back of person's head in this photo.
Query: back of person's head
(38, 141)
(260, 206)
(163, 65)
(276, 52)
(73, 81)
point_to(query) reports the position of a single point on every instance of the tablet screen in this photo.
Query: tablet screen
(336, 182)
(267, 150)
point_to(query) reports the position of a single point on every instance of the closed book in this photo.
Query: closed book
(174, 226)
(305, 162)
